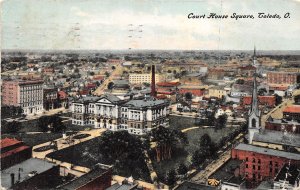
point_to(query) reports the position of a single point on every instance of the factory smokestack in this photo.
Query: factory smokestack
(153, 92)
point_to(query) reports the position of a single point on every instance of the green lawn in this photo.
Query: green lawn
(34, 139)
(184, 154)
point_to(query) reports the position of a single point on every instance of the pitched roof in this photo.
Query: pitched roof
(6, 142)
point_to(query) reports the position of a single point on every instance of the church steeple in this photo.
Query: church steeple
(254, 57)
(254, 113)
(254, 103)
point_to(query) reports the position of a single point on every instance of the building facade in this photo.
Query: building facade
(28, 94)
(261, 163)
(283, 77)
(143, 78)
(110, 112)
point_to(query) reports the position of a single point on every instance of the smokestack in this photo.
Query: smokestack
(153, 92)
(12, 177)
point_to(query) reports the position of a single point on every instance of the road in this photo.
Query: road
(203, 175)
(116, 72)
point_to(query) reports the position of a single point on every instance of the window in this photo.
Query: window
(253, 167)
(246, 165)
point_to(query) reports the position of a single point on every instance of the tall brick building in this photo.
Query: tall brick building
(28, 94)
(283, 77)
(261, 163)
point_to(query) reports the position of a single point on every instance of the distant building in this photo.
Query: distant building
(110, 112)
(216, 92)
(215, 74)
(27, 94)
(275, 77)
(262, 100)
(50, 98)
(143, 78)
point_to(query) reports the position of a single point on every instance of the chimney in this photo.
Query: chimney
(153, 92)
(12, 177)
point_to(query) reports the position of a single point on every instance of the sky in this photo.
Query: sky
(148, 24)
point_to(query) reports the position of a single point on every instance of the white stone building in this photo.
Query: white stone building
(110, 112)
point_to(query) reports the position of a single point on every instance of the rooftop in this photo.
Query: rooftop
(144, 103)
(267, 151)
(28, 167)
(187, 185)
(118, 186)
(277, 137)
(6, 142)
(292, 109)
(84, 179)
(227, 170)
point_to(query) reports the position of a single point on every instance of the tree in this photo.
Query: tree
(110, 85)
(10, 127)
(107, 74)
(221, 121)
(76, 70)
(262, 91)
(170, 177)
(43, 123)
(113, 67)
(240, 81)
(188, 96)
(182, 169)
(125, 152)
(198, 158)
(165, 140)
(278, 99)
(56, 124)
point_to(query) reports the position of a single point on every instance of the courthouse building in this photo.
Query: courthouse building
(110, 112)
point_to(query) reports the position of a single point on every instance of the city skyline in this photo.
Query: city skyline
(151, 25)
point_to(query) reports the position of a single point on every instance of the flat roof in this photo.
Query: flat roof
(187, 185)
(277, 137)
(267, 151)
(28, 166)
(144, 103)
(227, 170)
(84, 179)
(118, 186)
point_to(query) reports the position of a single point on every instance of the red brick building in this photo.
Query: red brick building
(13, 152)
(278, 125)
(196, 91)
(27, 94)
(292, 112)
(282, 77)
(261, 163)
(263, 100)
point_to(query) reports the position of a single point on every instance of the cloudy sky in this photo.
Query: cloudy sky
(148, 24)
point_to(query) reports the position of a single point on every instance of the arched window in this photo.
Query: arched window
(253, 123)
